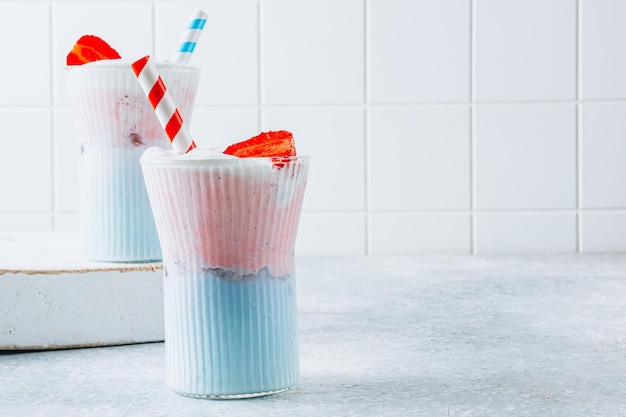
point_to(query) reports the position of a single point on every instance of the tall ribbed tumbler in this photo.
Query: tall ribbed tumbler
(227, 229)
(115, 125)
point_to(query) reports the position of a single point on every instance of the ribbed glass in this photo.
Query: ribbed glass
(116, 222)
(230, 338)
(115, 124)
(228, 230)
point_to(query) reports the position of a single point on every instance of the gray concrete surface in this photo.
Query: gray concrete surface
(424, 336)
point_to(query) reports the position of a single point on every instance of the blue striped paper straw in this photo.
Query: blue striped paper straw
(190, 36)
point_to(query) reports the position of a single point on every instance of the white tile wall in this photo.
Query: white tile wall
(603, 59)
(603, 155)
(526, 232)
(312, 51)
(32, 69)
(460, 126)
(420, 157)
(66, 156)
(26, 222)
(604, 231)
(525, 156)
(26, 161)
(414, 233)
(525, 50)
(419, 51)
(331, 234)
(218, 127)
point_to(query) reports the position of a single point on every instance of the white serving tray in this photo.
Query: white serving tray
(51, 298)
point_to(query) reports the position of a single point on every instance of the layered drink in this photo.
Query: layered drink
(115, 125)
(227, 227)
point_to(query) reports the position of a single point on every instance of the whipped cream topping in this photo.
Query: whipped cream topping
(200, 156)
(104, 63)
(156, 153)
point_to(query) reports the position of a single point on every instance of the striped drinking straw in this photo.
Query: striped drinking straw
(163, 104)
(190, 37)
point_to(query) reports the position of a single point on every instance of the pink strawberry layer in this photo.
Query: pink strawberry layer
(239, 215)
(110, 107)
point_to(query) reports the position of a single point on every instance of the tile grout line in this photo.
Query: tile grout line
(579, 148)
(372, 105)
(260, 73)
(366, 131)
(53, 138)
(472, 130)
(572, 210)
(154, 27)
(521, 211)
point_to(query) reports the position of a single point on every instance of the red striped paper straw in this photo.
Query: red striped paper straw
(163, 104)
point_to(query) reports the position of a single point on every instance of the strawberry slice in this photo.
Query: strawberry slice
(90, 48)
(274, 144)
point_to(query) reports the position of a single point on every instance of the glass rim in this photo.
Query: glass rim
(250, 161)
(109, 64)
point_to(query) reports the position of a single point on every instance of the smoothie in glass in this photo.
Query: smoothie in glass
(115, 125)
(227, 228)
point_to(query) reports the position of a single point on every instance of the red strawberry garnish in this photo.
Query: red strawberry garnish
(90, 48)
(275, 144)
